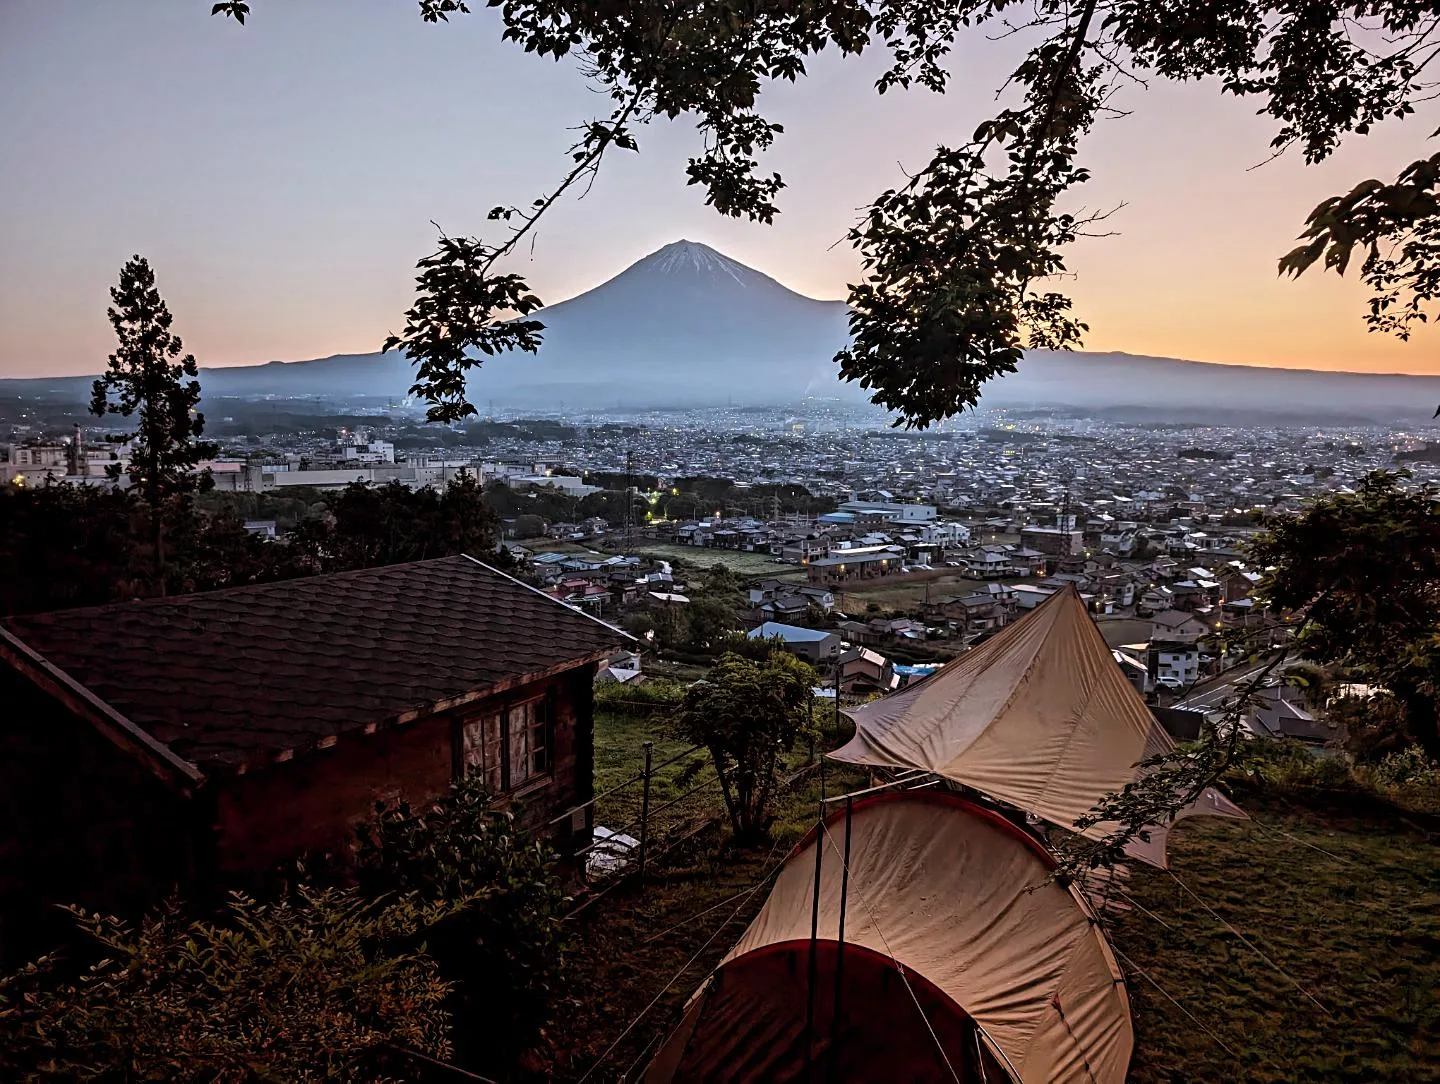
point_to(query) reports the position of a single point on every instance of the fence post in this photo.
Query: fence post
(645, 808)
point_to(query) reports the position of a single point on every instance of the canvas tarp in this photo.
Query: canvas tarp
(957, 904)
(1039, 717)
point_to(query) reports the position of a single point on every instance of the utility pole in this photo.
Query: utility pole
(629, 502)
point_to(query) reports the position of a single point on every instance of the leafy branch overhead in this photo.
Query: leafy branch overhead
(962, 263)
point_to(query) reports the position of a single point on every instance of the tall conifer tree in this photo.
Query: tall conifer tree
(149, 373)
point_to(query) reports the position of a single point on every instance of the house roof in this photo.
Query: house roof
(791, 634)
(241, 675)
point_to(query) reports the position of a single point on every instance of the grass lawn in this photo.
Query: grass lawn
(1347, 904)
(907, 593)
(753, 565)
(619, 758)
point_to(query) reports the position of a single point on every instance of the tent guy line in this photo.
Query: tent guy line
(666, 988)
(1248, 944)
(1138, 970)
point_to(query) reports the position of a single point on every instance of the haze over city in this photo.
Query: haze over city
(282, 177)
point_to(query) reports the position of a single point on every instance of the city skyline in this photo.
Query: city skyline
(282, 176)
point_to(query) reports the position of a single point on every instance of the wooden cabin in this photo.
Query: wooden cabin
(203, 740)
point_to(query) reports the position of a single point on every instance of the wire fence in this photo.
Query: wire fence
(643, 816)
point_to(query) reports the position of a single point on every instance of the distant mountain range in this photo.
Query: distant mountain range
(688, 326)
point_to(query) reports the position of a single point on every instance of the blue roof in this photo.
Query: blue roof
(791, 634)
(836, 517)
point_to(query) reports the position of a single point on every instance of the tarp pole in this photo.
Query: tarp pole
(840, 950)
(814, 947)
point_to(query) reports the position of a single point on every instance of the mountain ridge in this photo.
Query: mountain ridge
(687, 325)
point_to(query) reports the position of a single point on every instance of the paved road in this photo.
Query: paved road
(1210, 695)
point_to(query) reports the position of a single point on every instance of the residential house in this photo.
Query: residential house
(204, 740)
(861, 671)
(989, 564)
(1135, 671)
(1242, 613)
(975, 615)
(1238, 583)
(1030, 595)
(1195, 594)
(802, 551)
(846, 567)
(1171, 623)
(1026, 561)
(879, 630)
(1280, 712)
(816, 646)
(1154, 600)
(766, 590)
(1051, 541)
(1173, 660)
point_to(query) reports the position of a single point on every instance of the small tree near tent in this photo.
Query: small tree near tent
(747, 714)
(148, 373)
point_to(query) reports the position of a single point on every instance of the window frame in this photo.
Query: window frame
(485, 741)
(542, 721)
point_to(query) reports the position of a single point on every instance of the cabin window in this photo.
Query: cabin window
(479, 750)
(531, 741)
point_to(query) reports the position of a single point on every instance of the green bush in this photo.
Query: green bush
(314, 986)
(503, 948)
(1406, 778)
(1408, 767)
(1289, 763)
(651, 698)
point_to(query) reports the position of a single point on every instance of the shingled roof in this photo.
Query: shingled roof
(241, 675)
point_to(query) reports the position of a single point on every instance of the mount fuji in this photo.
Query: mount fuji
(683, 326)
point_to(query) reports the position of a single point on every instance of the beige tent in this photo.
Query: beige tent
(1039, 717)
(961, 961)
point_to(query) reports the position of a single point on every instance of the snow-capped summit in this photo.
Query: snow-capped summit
(681, 257)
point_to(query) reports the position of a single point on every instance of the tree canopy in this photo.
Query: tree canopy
(150, 374)
(961, 261)
(1363, 568)
(746, 714)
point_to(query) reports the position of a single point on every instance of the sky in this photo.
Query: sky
(282, 179)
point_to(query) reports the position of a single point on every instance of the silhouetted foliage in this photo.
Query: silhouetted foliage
(314, 986)
(1364, 569)
(66, 545)
(503, 949)
(962, 259)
